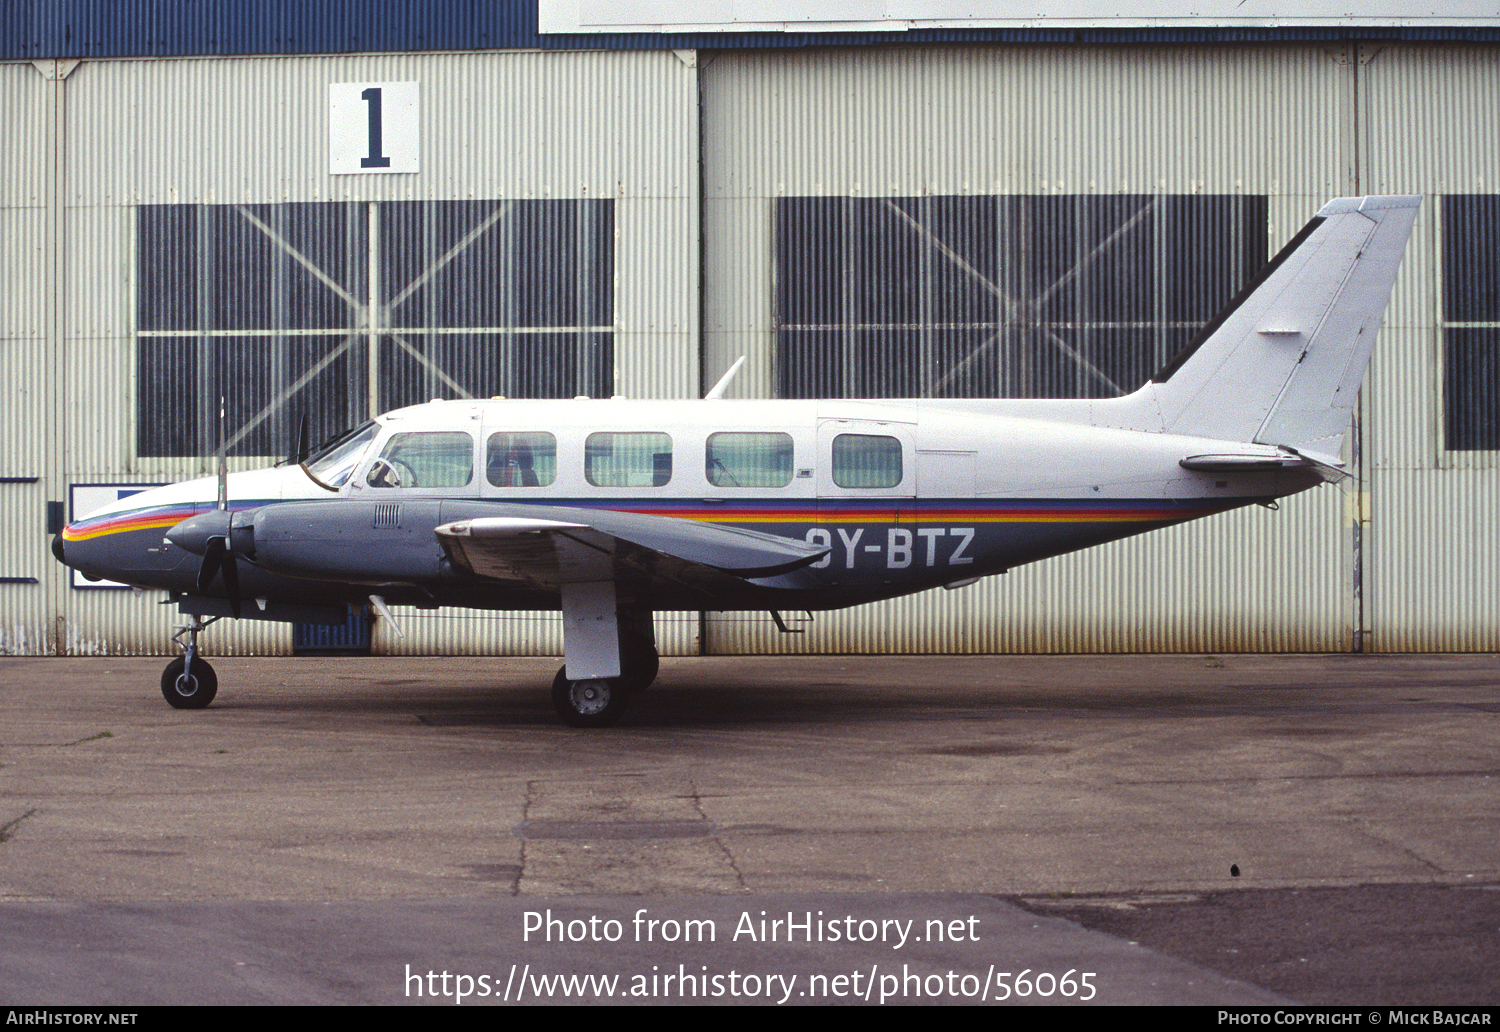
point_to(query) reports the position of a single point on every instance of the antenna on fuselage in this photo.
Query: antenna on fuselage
(719, 388)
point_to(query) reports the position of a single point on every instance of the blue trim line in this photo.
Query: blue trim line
(33, 29)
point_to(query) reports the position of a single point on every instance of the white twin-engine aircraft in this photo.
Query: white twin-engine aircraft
(613, 509)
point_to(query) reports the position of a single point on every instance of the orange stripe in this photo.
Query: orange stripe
(71, 533)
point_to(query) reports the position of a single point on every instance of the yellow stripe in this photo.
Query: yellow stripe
(124, 527)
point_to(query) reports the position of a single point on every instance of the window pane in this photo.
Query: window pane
(865, 460)
(522, 459)
(1471, 389)
(441, 459)
(481, 298)
(1471, 323)
(749, 460)
(1001, 296)
(1471, 258)
(335, 462)
(180, 379)
(628, 460)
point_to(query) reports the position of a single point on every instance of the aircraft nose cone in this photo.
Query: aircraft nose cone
(192, 534)
(57, 549)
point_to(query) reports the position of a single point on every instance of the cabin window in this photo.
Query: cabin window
(521, 459)
(749, 460)
(628, 459)
(432, 459)
(866, 460)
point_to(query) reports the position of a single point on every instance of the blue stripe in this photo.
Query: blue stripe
(31, 29)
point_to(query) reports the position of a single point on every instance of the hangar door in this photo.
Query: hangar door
(1012, 222)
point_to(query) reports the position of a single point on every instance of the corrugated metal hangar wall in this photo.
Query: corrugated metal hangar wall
(1001, 220)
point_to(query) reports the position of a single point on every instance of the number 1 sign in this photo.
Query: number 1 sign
(373, 127)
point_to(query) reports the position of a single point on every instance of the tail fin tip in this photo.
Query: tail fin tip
(1341, 205)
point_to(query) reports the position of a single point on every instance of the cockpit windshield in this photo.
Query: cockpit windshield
(334, 461)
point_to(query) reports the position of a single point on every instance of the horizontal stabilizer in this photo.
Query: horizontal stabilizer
(1267, 460)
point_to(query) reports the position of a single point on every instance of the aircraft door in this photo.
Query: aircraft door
(866, 478)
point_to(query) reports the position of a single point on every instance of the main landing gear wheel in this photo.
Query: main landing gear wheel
(639, 665)
(189, 690)
(596, 702)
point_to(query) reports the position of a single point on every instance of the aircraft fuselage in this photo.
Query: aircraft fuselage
(904, 496)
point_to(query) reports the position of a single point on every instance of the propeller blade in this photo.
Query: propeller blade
(213, 559)
(231, 570)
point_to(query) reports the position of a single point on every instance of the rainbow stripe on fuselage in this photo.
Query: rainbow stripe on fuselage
(153, 517)
(763, 513)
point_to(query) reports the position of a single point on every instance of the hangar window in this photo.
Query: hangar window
(1471, 323)
(1001, 297)
(342, 310)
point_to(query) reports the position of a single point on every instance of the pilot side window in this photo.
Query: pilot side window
(432, 459)
(334, 462)
(627, 460)
(866, 460)
(521, 459)
(749, 460)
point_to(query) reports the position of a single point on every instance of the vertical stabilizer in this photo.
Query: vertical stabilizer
(1282, 364)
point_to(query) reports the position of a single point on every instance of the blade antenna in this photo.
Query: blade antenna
(718, 389)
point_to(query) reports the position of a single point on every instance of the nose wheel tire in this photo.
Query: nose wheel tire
(189, 691)
(596, 702)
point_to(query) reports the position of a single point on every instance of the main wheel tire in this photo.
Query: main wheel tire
(640, 665)
(184, 691)
(596, 702)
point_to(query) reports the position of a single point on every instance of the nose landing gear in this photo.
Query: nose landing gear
(189, 682)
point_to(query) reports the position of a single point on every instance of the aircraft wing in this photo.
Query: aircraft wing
(544, 547)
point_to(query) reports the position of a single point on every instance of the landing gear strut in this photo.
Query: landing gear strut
(189, 682)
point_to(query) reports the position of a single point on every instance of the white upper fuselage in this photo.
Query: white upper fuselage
(949, 451)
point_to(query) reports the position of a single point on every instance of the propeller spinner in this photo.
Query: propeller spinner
(220, 538)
